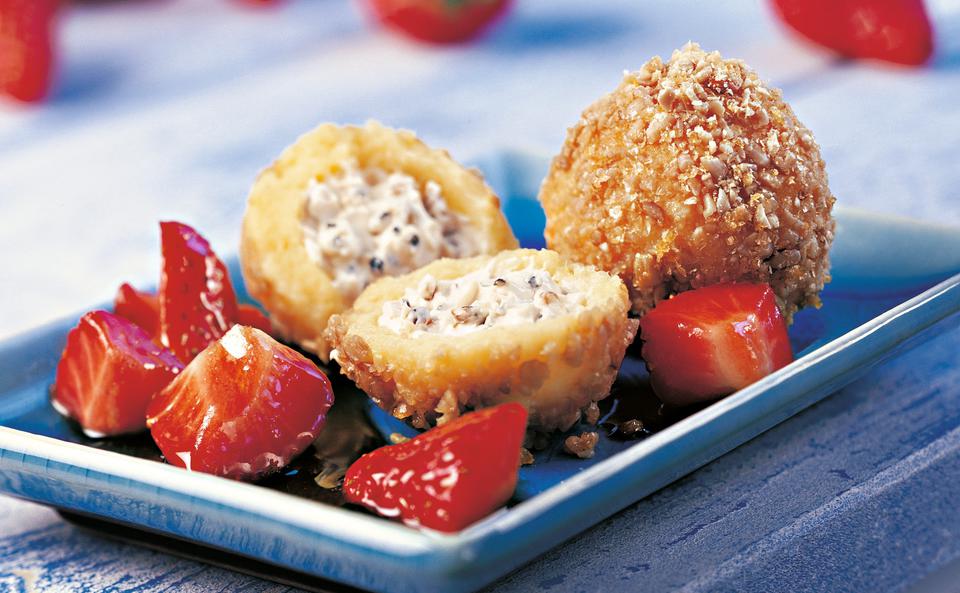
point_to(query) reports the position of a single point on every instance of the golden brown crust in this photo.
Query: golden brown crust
(693, 172)
(557, 367)
(276, 267)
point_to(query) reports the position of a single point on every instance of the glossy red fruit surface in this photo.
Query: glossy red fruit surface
(142, 308)
(197, 301)
(243, 408)
(439, 21)
(26, 47)
(896, 31)
(706, 343)
(254, 317)
(447, 477)
(109, 371)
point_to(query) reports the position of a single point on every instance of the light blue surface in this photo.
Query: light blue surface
(836, 344)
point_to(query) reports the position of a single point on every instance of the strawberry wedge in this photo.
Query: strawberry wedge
(242, 409)
(108, 373)
(142, 308)
(250, 315)
(197, 301)
(448, 477)
(707, 343)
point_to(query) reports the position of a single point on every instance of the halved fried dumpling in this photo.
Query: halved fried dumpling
(524, 325)
(344, 206)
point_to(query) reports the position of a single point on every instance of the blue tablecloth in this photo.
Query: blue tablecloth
(168, 110)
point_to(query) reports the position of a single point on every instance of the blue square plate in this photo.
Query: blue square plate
(894, 282)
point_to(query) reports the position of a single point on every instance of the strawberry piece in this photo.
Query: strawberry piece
(142, 308)
(896, 31)
(26, 47)
(243, 408)
(251, 316)
(109, 371)
(197, 302)
(439, 21)
(448, 477)
(706, 343)
(259, 3)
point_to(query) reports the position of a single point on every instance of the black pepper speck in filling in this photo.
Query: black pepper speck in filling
(477, 300)
(362, 224)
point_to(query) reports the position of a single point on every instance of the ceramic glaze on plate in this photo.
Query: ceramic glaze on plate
(894, 281)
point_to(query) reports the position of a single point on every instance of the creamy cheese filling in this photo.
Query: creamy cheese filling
(480, 300)
(361, 224)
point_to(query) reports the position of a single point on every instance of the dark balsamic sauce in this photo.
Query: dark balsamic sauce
(346, 436)
(631, 412)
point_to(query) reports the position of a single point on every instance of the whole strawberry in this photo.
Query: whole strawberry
(897, 31)
(26, 47)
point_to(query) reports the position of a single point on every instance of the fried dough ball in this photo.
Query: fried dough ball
(693, 172)
(524, 325)
(344, 206)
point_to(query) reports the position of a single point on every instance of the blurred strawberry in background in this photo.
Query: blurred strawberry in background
(438, 21)
(897, 31)
(27, 47)
(259, 3)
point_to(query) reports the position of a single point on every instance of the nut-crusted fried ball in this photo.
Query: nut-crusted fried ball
(693, 172)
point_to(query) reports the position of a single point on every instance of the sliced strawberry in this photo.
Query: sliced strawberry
(243, 408)
(26, 47)
(707, 343)
(142, 308)
(253, 317)
(197, 302)
(109, 371)
(896, 31)
(448, 477)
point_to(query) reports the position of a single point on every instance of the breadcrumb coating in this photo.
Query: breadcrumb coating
(277, 267)
(581, 445)
(693, 172)
(556, 366)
